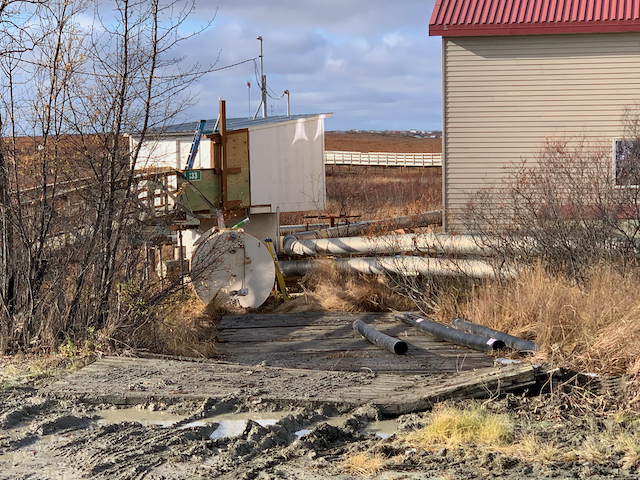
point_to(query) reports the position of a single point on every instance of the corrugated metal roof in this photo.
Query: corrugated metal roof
(533, 17)
(236, 123)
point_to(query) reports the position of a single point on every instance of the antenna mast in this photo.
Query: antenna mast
(263, 81)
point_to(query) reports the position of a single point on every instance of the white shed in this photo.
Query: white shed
(246, 166)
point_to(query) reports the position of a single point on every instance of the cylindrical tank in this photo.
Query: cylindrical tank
(233, 266)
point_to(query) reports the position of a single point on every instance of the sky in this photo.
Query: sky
(371, 64)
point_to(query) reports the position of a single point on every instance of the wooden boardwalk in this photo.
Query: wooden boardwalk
(132, 381)
(326, 341)
(306, 359)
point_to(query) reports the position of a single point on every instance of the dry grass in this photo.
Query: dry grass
(630, 445)
(24, 369)
(364, 464)
(374, 195)
(327, 290)
(531, 447)
(452, 427)
(183, 326)
(594, 328)
(595, 449)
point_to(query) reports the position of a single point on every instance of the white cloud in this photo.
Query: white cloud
(372, 64)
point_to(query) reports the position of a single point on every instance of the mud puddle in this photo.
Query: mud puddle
(230, 425)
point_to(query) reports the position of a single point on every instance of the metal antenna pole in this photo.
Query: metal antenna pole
(286, 92)
(263, 79)
(249, 96)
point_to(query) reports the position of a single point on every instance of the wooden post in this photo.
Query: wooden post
(223, 152)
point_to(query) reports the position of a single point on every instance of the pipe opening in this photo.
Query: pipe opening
(400, 348)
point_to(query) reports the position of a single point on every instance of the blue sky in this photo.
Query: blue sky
(371, 63)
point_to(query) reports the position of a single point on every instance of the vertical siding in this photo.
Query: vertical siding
(504, 95)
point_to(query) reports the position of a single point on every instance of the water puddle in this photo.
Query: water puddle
(145, 417)
(233, 424)
(229, 424)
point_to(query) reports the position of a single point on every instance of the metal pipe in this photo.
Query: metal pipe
(291, 229)
(389, 244)
(353, 229)
(443, 332)
(390, 344)
(401, 265)
(510, 341)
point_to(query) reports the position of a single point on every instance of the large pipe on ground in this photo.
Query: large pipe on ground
(401, 265)
(357, 228)
(443, 332)
(510, 341)
(390, 344)
(390, 244)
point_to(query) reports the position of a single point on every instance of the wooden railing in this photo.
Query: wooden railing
(383, 159)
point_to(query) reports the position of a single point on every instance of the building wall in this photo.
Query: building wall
(172, 152)
(286, 165)
(504, 95)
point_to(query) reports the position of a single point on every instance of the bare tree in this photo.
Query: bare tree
(69, 210)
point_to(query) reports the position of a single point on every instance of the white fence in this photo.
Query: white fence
(384, 159)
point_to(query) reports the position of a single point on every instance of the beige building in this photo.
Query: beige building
(517, 73)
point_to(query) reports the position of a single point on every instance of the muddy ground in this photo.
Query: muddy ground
(45, 438)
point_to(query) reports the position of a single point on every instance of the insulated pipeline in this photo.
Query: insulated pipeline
(390, 344)
(401, 265)
(390, 244)
(484, 344)
(509, 340)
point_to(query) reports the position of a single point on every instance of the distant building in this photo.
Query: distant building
(517, 72)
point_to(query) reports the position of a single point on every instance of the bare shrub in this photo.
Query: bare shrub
(566, 209)
(72, 230)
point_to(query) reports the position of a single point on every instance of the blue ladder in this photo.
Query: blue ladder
(194, 146)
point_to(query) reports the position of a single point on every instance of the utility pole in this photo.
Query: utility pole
(263, 80)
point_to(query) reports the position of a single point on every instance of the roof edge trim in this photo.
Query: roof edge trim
(534, 29)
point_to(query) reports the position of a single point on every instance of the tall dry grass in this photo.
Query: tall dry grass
(594, 327)
(373, 194)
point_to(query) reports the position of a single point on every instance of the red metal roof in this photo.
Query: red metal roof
(533, 17)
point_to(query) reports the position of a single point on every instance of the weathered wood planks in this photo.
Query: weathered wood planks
(326, 341)
(128, 381)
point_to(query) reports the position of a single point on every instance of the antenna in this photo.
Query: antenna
(263, 81)
(249, 97)
(286, 92)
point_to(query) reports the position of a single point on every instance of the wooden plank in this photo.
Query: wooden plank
(376, 364)
(336, 345)
(266, 334)
(298, 319)
(110, 380)
(270, 334)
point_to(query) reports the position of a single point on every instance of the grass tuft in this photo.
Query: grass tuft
(630, 445)
(452, 427)
(364, 464)
(530, 447)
